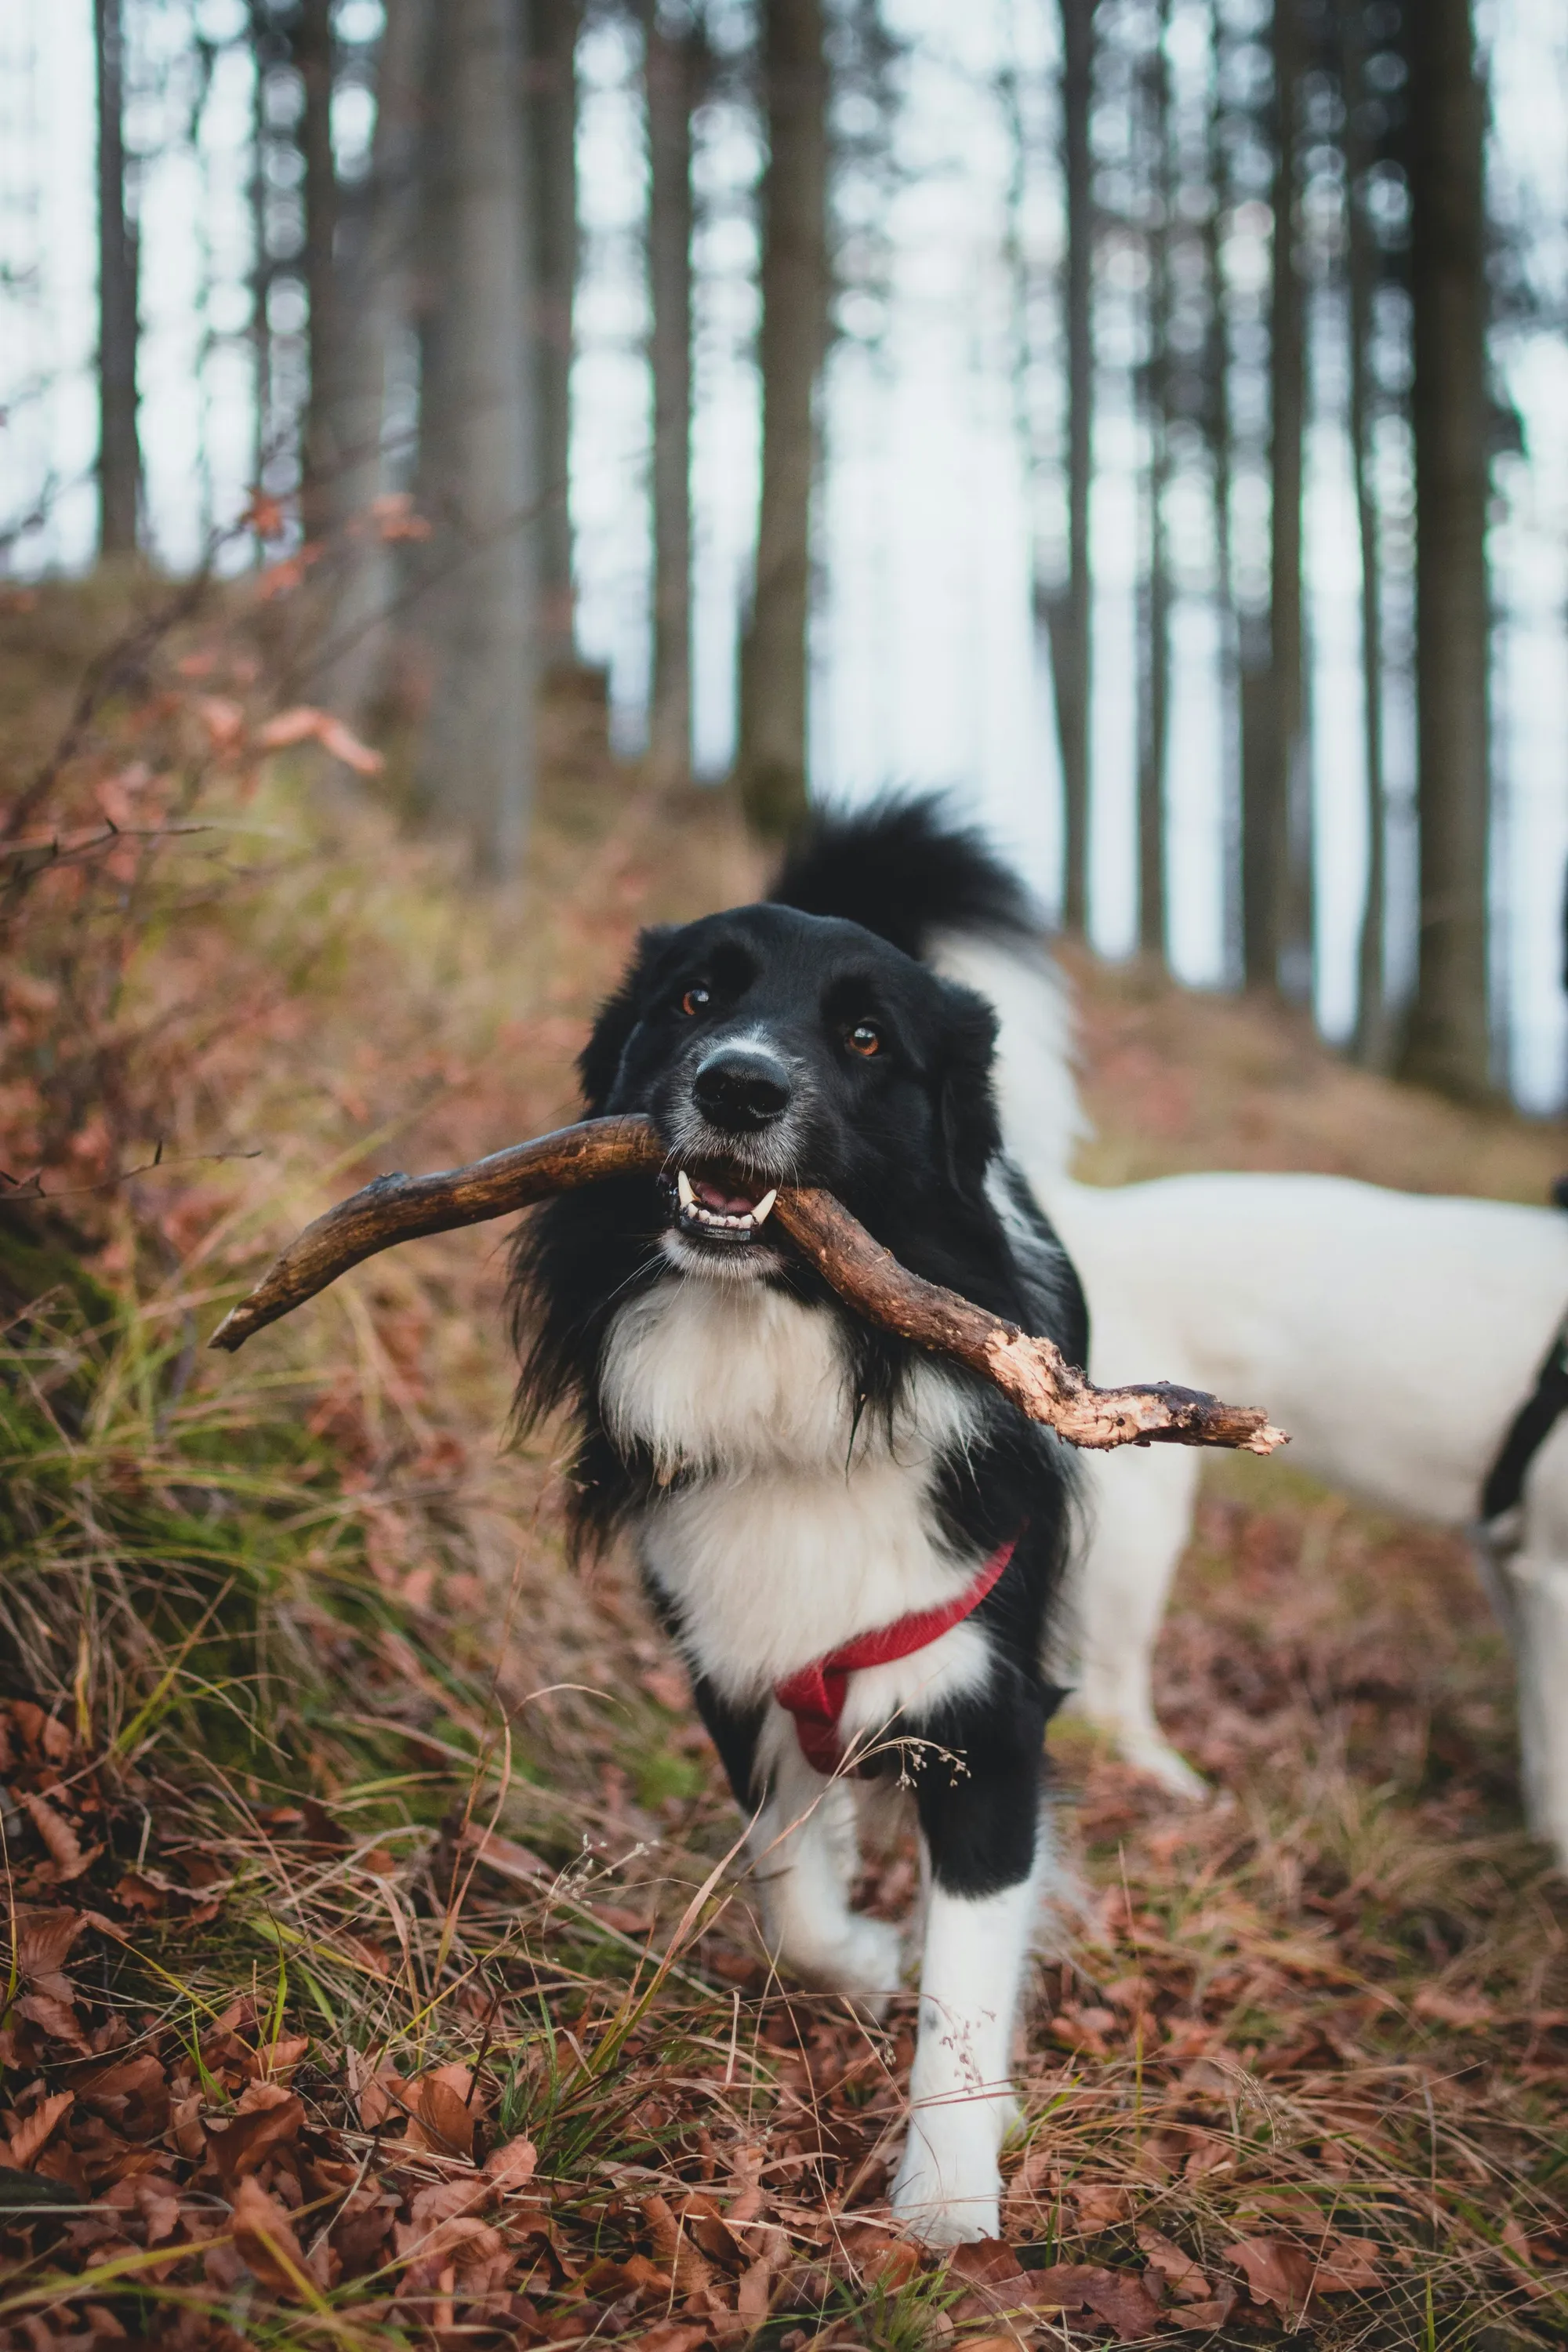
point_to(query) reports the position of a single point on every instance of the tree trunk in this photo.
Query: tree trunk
(1217, 431)
(1276, 769)
(324, 452)
(354, 658)
(1447, 1044)
(480, 431)
(1155, 681)
(553, 92)
(1070, 627)
(1372, 1043)
(119, 451)
(261, 260)
(771, 760)
(671, 90)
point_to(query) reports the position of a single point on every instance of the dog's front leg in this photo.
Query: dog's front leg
(984, 1853)
(805, 1851)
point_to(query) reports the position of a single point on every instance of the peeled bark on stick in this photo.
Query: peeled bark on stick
(1031, 1371)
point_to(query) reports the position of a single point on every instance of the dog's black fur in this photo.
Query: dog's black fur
(907, 1140)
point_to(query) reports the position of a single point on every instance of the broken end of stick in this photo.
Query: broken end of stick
(236, 1328)
(1266, 1440)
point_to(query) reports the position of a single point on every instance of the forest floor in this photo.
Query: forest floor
(381, 1967)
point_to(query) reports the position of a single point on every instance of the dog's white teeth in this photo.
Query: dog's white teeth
(683, 1190)
(764, 1206)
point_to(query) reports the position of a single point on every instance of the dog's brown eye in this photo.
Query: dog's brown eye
(865, 1038)
(696, 999)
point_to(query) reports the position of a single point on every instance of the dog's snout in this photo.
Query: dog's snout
(742, 1088)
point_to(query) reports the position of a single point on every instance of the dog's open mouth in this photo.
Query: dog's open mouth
(721, 1204)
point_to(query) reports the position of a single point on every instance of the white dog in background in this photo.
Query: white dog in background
(1394, 1335)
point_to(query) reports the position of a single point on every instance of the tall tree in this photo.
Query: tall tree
(1274, 763)
(1216, 414)
(379, 298)
(1447, 1041)
(118, 447)
(1069, 618)
(1155, 666)
(552, 149)
(479, 433)
(324, 453)
(673, 73)
(1373, 1042)
(770, 759)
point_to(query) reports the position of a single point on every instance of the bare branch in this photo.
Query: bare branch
(1030, 1372)
(401, 1208)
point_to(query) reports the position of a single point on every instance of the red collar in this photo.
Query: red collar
(816, 1696)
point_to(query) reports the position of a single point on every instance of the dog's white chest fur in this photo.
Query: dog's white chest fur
(793, 1528)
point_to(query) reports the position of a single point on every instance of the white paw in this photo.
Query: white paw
(948, 2187)
(1158, 1761)
(863, 1960)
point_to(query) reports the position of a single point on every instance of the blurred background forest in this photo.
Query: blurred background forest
(1144, 415)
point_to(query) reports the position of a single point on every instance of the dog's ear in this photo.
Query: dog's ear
(599, 1062)
(966, 1105)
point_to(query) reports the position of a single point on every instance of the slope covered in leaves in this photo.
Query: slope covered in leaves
(381, 1967)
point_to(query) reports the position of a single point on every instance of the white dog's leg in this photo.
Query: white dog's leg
(948, 2187)
(804, 1852)
(1538, 1590)
(1141, 1510)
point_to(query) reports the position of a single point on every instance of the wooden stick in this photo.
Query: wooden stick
(401, 1208)
(1032, 1372)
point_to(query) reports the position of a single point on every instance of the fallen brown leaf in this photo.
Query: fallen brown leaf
(754, 2292)
(265, 2241)
(511, 2165)
(1347, 2266)
(44, 1940)
(710, 2232)
(242, 2146)
(1123, 2300)
(1061, 2286)
(691, 2271)
(1213, 2313)
(670, 2335)
(33, 2130)
(1186, 2281)
(881, 2259)
(440, 2111)
(1102, 2204)
(1276, 2272)
(133, 2094)
(158, 2202)
(65, 1848)
(53, 2017)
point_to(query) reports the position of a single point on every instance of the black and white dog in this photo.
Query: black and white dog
(855, 1547)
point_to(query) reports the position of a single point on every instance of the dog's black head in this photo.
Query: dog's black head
(770, 1047)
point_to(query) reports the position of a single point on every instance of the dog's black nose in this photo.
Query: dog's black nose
(741, 1088)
